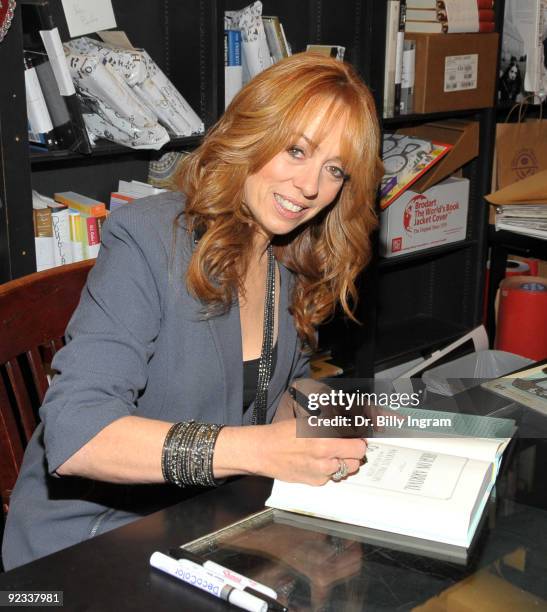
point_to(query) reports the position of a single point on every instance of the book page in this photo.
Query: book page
(402, 490)
(479, 449)
(410, 471)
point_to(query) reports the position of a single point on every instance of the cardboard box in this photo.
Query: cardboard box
(454, 71)
(463, 135)
(415, 221)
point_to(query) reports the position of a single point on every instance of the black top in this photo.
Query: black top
(250, 378)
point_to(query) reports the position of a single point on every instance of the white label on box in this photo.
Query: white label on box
(461, 72)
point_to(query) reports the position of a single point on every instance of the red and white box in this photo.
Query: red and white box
(417, 221)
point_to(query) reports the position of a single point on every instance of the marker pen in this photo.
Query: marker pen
(237, 580)
(201, 578)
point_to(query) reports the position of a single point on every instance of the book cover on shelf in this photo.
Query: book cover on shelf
(62, 252)
(275, 37)
(421, 4)
(399, 59)
(336, 51)
(407, 78)
(439, 14)
(40, 125)
(528, 387)
(76, 238)
(406, 159)
(119, 199)
(392, 28)
(90, 236)
(233, 69)
(43, 232)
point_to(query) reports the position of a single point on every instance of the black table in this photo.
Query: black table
(509, 563)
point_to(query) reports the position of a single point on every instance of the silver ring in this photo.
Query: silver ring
(341, 472)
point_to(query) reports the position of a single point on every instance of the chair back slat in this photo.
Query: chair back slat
(11, 447)
(38, 372)
(22, 398)
(34, 313)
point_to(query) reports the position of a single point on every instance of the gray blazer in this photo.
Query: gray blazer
(138, 344)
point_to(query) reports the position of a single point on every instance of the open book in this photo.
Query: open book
(431, 488)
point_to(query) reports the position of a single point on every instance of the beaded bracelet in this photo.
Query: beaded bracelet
(187, 455)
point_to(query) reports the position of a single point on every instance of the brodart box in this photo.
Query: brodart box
(416, 221)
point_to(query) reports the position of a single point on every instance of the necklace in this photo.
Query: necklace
(266, 355)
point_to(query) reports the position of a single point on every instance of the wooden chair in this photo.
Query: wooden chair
(34, 312)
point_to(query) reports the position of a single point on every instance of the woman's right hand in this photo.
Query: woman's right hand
(276, 451)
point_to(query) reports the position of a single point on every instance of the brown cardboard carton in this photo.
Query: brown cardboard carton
(463, 135)
(454, 71)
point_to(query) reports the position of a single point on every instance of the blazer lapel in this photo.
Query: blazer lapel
(226, 332)
(286, 337)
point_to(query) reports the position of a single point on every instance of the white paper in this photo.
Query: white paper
(44, 253)
(461, 72)
(254, 44)
(37, 113)
(86, 16)
(56, 54)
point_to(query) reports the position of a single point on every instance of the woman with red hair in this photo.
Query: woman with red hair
(200, 310)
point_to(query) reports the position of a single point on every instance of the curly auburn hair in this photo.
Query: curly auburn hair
(327, 253)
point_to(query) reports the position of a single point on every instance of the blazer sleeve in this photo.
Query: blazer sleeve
(110, 338)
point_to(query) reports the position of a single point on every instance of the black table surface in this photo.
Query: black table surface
(112, 571)
(508, 564)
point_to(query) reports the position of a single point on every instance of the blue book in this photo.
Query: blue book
(233, 48)
(233, 72)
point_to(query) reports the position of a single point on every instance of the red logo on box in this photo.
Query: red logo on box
(396, 245)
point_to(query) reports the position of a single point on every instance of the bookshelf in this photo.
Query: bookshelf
(410, 305)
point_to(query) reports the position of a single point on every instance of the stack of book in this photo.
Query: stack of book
(131, 190)
(527, 219)
(252, 42)
(66, 229)
(404, 18)
(450, 16)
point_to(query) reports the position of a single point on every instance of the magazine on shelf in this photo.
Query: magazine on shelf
(429, 488)
(528, 387)
(406, 159)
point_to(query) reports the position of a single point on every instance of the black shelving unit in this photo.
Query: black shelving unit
(409, 305)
